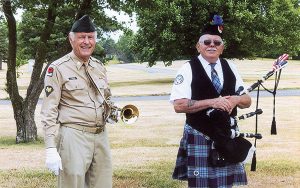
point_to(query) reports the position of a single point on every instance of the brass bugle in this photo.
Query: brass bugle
(129, 114)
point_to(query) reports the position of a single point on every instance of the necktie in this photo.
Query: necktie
(93, 82)
(215, 78)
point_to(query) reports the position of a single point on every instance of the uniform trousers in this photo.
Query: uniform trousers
(86, 159)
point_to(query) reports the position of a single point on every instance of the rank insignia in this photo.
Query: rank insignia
(48, 90)
(178, 80)
(50, 71)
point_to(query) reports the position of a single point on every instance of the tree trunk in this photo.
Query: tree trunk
(26, 127)
(24, 108)
(11, 78)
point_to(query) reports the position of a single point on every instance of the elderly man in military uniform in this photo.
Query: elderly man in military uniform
(74, 114)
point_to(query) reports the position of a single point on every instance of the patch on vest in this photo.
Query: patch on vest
(179, 79)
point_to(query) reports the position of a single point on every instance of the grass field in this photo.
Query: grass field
(144, 153)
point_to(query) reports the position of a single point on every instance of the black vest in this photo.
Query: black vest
(202, 88)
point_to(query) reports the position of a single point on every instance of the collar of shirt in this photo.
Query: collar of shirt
(207, 68)
(79, 63)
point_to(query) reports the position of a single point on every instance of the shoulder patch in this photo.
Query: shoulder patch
(50, 71)
(179, 79)
(48, 90)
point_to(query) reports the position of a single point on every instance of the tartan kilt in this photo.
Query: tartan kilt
(192, 164)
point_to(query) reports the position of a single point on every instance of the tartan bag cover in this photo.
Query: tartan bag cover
(192, 164)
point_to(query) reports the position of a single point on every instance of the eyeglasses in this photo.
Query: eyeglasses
(215, 42)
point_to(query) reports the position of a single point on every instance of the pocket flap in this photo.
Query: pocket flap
(74, 85)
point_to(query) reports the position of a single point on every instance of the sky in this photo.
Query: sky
(122, 17)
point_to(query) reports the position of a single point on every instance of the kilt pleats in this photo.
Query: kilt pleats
(192, 164)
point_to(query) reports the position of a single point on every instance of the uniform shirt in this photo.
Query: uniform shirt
(182, 84)
(71, 97)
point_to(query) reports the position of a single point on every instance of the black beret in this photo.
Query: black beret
(214, 26)
(84, 24)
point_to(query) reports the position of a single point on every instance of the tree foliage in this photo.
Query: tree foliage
(124, 47)
(58, 44)
(3, 41)
(169, 30)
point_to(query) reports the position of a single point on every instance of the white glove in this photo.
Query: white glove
(111, 121)
(53, 160)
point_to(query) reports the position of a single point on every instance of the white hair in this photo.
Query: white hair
(72, 35)
(202, 38)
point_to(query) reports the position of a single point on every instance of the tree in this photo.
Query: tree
(24, 108)
(283, 31)
(3, 42)
(109, 46)
(43, 36)
(124, 47)
(169, 30)
(99, 53)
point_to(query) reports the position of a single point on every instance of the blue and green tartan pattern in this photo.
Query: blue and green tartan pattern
(192, 164)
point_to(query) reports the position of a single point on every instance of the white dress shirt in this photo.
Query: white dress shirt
(182, 84)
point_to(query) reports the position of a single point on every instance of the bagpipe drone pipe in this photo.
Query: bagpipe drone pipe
(229, 145)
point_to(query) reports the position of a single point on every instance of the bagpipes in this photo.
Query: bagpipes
(229, 145)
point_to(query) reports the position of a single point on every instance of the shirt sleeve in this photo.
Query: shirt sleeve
(49, 110)
(239, 80)
(182, 83)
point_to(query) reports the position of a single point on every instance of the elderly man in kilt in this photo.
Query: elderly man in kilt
(205, 82)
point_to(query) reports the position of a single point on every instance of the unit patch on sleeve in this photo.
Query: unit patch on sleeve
(50, 71)
(48, 90)
(179, 79)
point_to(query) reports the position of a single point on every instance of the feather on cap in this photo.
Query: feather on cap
(215, 25)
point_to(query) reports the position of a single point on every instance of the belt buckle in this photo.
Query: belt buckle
(99, 130)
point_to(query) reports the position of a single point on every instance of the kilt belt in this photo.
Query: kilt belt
(94, 130)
